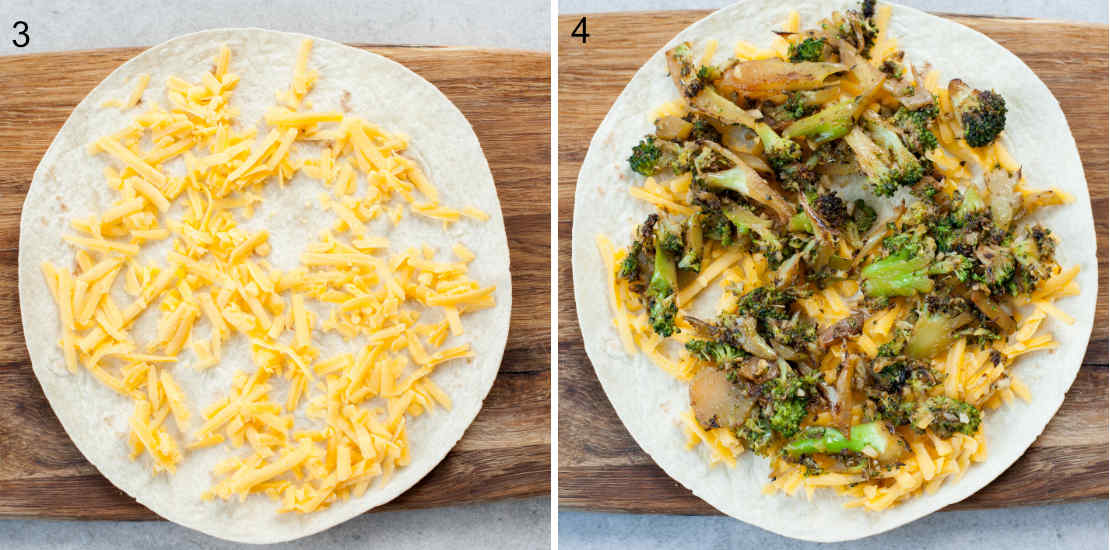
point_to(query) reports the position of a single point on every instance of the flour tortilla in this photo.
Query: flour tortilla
(69, 183)
(649, 400)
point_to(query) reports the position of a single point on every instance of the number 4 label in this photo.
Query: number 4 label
(580, 30)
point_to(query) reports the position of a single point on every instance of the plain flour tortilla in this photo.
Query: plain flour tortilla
(69, 183)
(649, 401)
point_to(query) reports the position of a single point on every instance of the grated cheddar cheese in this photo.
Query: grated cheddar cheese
(216, 276)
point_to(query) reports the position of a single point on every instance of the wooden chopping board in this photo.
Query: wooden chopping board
(504, 453)
(600, 465)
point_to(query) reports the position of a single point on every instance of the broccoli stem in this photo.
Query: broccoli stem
(664, 279)
(826, 440)
(932, 333)
(832, 122)
(799, 223)
(896, 275)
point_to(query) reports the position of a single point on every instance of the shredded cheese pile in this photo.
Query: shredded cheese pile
(400, 307)
(969, 373)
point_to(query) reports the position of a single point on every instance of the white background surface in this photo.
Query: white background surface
(1063, 526)
(520, 24)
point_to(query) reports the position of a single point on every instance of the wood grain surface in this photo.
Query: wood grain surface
(504, 453)
(602, 468)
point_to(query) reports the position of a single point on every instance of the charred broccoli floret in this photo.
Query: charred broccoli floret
(747, 221)
(796, 106)
(779, 151)
(881, 155)
(863, 216)
(714, 224)
(694, 242)
(636, 265)
(661, 293)
(810, 49)
(913, 126)
(630, 265)
(982, 114)
(906, 376)
(715, 351)
(1034, 252)
(765, 303)
(949, 416)
(646, 157)
(797, 176)
(702, 129)
(998, 268)
(832, 122)
(653, 252)
(756, 434)
(831, 208)
(971, 203)
(905, 269)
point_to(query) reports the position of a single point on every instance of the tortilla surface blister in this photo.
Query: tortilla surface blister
(649, 401)
(70, 183)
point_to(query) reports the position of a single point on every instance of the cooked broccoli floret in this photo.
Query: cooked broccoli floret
(787, 416)
(938, 321)
(694, 242)
(981, 113)
(796, 333)
(715, 351)
(1035, 255)
(831, 208)
(797, 176)
(906, 376)
(883, 157)
(714, 224)
(630, 265)
(662, 289)
(765, 303)
(867, 8)
(913, 126)
(669, 237)
(894, 347)
(863, 216)
(796, 106)
(832, 122)
(970, 203)
(903, 272)
(779, 151)
(708, 73)
(950, 416)
(789, 395)
(747, 221)
(757, 434)
(810, 49)
(637, 263)
(702, 130)
(646, 157)
(998, 267)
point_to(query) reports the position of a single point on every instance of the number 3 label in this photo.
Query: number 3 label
(23, 39)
